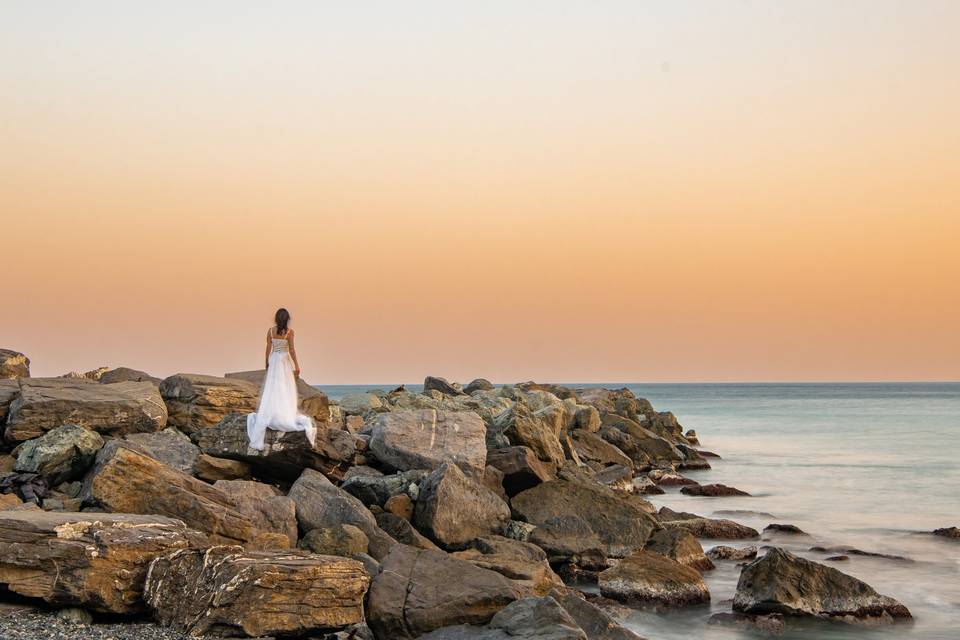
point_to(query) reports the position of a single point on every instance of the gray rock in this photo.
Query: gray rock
(170, 447)
(480, 384)
(723, 552)
(125, 374)
(359, 404)
(376, 490)
(343, 540)
(701, 527)
(523, 427)
(60, 455)
(595, 622)
(541, 618)
(431, 383)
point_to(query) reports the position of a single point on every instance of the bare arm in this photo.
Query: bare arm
(266, 355)
(293, 353)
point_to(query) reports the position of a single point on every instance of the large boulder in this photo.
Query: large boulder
(453, 509)
(419, 590)
(285, 453)
(523, 427)
(111, 409)
(592, 447)
(93, 560)
(60, 455)
(125, 374)
(569, 540)
(524, 563)
(621, 525)
(479, 384)
(702, 527)
(595, 622)
(169, 446)
(226, 591)
(644, 577)
(197, 401)
(780, 582)
(312, 401)
(521, 468)
(680, 545)
(126, 481)
(639, 443)
(425, 439)
(13, 364)
(266, 507)
(430, 383)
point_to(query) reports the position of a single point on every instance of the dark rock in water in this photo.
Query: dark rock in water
(521, 468)
(841, 558)
(712, 491)
(60, 455)
(742, 513)
(692, 458)
(480, 384)
(851, 551)
(703, 527)
(723, 552)
(452, 509)
(595, 622)
(170, 447)
(780, 582)
(644, 577)
(787, 529)
(691, 437)
(679, 545)
(418, 591)
(13, 364)
(772, 624)
(708, 454)
(947, 532)
(431, 383)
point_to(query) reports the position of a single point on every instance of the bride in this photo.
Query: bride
(277, 409)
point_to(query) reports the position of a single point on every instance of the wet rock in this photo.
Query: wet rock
(523, 427)
(784, 529)
(860, 552)
(425, 439)
(125, 374)
(692, 438)
(840, 558)
(197, 401)
(226, 591)
(780, 582)
(116, 409)
(418, 591)
(712, 491)
(524, 563)
(59, 455)
(93, 560)
(703, 527)
(431, 383)
(343, 540)
(13, 365)
(213, 469)
(679, 545)
(947, 532)
(650, 578)
(723, 552)
(480, 384)
(402, 531)
(170, 447)
(452, 509)
(772, 624)
(595, 622)
(521, 468)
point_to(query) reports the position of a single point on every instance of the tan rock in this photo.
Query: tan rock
(9, 500)
(212, 469)
(197, 401)
(400, 505)
(647, 577)
(13, 364)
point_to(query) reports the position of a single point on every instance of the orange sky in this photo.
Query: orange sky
(567, 191)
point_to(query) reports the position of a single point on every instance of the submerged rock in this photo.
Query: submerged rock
(703, 527)
(771, 624)
(723, 552)
(644, 577)
(947, 532)
(712, 490)
(785, 529)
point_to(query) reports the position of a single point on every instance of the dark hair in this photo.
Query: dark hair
(282, 318)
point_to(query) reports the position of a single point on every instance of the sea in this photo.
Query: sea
(871, 466)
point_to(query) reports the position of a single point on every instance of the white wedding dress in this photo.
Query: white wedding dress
(277, 409)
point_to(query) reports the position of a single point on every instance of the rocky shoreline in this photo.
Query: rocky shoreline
(462, 512)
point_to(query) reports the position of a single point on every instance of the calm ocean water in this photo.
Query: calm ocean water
(872, 466)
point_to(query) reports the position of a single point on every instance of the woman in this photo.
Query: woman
(278, 396)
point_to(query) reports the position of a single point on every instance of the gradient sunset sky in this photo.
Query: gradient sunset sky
(568, 191)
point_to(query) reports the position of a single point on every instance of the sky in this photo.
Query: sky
(565, 191)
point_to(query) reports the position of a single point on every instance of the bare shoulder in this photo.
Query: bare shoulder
(290, 333)
(270, 332)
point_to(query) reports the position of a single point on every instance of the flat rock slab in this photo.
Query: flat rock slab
(111, 409)
(93, 560)
(197, 401)
(225, 591)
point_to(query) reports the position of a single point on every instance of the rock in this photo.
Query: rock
(859, 552)
(400, 505)
(125, 481)
(479, 384)
(587, 418)
(453, 509)
(722, 552)
(787, 529)
(29, 487)
(537, 618)
(75, 615)
(617, 477)
(569, 540)
(712, 490)
(703, 527)
(402, 531)
(947, 532)
(691, 437)
(170, 447)
(213, 469)
(668, 478)
(344, 540)
(642, 445)
(418, 591)
(9, 501)
(226, 591)
(780, 582)
(595, 622)
(645, 486)
(321, 505)
(93, 375)
(9, 390)
(285, 454)
(125, 374)
(61, 454)
(840, 558)
(377, 490)
(521, 468)
(311, 401)
(197, 401)
(590, 446)
(518, 530)
(360, 404)
(425, 439)
(13, 365)
(680, 545)
(524, 563)
(621, 526)
(431, 383)
(772, 624)
(522, 427)
(265, 506)
(93, 560)
(115, 409)
(644, 577)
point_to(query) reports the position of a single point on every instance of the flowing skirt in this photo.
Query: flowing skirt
(278, 403)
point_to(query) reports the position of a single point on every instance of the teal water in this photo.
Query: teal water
(873, 466)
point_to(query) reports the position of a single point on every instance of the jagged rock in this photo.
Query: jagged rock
(596, 623)
(480, 384)
(266, 507)
(650, 578)
(311, 401)
(285, 454)
(125, 481)
(692, 458)
(402, 531)
(169, 446)
(521, 468)
(197, 401)
(9, 390)
(59, 455)
(13, 364)
(568, 539)
(523, 427)
(780, 582)
(321, 505)
(418, 591)
(114, 409)
(400, 505)
(376, 490)
(342, 540)
(621, 526)
(590, 446)
(712, 490)
(425, 439)
(679, 545)
(641, 444)
(452, 509)
(93, 560)
(226, 591)
(518, 530)
(431, 383)
(947, 532)
(213, 469)
(723, 552)
(772, 624)
(785, 529)
(701, 527)
(125, 374)
(524, 563)
(29, 487)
